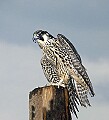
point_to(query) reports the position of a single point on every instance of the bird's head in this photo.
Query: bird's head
(42, 37)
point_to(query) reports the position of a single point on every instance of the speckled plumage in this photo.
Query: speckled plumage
(62, 66)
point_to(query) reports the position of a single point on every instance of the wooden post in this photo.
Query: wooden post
(49, 103)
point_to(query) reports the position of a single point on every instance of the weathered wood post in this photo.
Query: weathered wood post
(49, 103)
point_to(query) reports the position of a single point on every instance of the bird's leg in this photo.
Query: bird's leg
(60, 83)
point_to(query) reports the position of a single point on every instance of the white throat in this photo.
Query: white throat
(45, 37)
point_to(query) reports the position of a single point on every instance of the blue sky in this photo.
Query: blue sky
(85, 23)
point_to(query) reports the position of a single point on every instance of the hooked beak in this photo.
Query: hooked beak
(35, 38)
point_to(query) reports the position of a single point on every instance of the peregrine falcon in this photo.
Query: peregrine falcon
(62, 66)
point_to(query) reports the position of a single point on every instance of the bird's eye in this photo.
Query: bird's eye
(41, 38)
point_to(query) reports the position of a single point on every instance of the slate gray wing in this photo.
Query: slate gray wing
(67, 44)
(75, 60)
